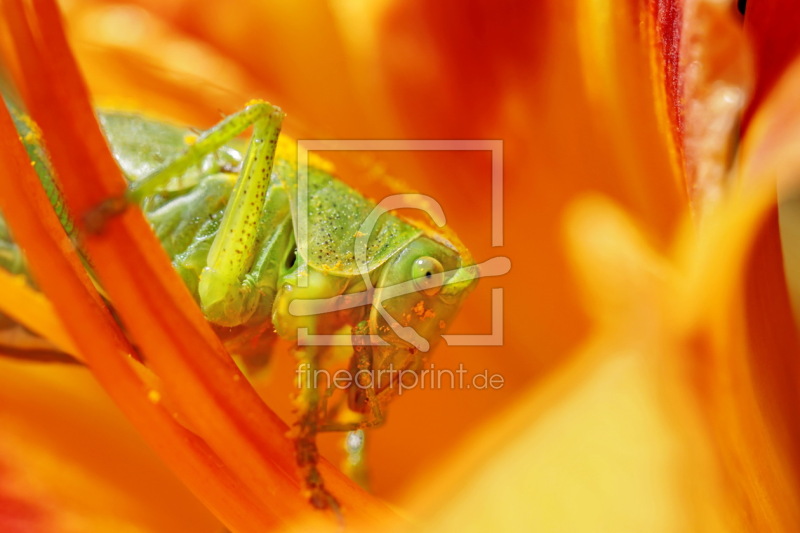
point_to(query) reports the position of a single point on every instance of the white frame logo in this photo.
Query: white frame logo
(495, 266)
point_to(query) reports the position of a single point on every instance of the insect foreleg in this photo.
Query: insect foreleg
(304, 432)
(363, 384)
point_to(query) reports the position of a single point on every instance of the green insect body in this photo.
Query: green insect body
(228, 212)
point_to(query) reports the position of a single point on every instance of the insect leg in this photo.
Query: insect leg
(226, 293)
(304, 431)
(208, 142)
(364, 383)
(257, 112)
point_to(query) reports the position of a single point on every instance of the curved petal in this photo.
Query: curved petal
(82, 468)
(742, 327)
(611, 441)
(772, 27)
(705, 77)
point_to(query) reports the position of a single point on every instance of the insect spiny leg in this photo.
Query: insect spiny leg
(304, 432)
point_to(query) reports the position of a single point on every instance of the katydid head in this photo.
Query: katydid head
(417, 295)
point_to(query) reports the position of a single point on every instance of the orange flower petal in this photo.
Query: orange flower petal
(72, 463)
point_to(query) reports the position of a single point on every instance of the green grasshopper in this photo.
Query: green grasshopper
(228, 217)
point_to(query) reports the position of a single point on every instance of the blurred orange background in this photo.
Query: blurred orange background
(627, 402)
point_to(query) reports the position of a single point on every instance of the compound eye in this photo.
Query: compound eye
(427, 275)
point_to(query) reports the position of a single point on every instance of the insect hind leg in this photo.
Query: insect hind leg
(207, 143)
(227, 294)
(255, 113)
